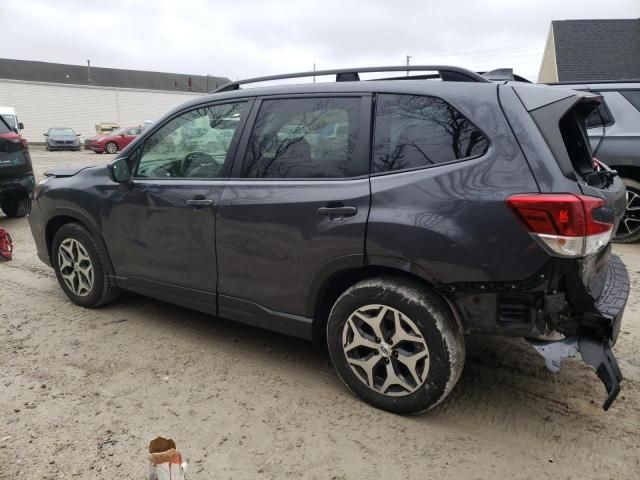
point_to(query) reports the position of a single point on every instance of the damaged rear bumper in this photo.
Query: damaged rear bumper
(596, 352)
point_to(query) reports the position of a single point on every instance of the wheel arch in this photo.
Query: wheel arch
(328, 292)
(63, 217)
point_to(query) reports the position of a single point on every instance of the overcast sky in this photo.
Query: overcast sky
(237, 38)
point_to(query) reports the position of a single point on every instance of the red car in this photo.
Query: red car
(114, 141)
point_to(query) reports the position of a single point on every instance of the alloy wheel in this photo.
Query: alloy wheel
(385, 350)
(75, 267)
(630, 223)
(111, 147)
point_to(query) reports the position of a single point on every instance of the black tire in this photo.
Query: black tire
(111, 147)
(103, 289)
(435, 326)
(629, 232)
(16, 205)
(46, 147)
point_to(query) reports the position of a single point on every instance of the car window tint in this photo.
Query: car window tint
(633, 96)
(417, 131)
(305, 138)
(193, 145)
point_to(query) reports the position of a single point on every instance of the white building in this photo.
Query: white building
(49, 95)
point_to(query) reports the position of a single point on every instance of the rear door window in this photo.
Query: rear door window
(306, 138)
(415, 131)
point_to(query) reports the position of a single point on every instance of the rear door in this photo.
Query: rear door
(296, 207)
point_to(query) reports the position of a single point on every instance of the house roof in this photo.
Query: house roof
(106, 77)
(588, 50)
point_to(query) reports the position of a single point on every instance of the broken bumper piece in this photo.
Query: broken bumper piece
(596, 354)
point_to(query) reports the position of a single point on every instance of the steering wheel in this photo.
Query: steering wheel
(188, 160)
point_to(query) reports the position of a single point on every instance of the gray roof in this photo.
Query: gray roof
(589, 50)
(106, 77)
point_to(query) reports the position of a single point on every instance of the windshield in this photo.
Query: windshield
(58, 132)
(11, 120)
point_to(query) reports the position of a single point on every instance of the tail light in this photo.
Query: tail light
(563, 223)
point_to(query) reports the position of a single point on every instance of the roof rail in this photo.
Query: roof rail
(447, 73)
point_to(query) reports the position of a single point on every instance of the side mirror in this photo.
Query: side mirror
(122, 135)
(119, 170)
(20, 126)
(77, 134)
(46, 134)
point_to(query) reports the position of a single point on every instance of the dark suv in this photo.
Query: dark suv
(389, 217)
(16, 174)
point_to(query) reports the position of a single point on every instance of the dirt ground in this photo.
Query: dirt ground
(83, 391)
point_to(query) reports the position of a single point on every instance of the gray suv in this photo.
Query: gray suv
(388, 218)
(614, 134)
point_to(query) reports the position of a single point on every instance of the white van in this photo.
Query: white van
(9, 115)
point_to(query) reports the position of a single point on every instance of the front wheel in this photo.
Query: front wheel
(111, 147)
(629, 228)
(16, 205)
(395, 344)
(81, 267)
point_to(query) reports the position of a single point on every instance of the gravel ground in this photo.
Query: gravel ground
(83, 391)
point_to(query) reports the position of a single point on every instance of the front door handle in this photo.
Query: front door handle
(198, 203)
(338, 211)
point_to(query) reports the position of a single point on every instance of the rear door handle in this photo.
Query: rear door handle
(199, 203)
(338, 211)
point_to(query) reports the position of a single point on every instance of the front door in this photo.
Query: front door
(161, 231)
(295, 209)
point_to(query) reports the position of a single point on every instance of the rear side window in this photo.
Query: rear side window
(633, 96)
(419, 131)
(305, 138)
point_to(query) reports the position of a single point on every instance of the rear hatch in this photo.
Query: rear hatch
(560, 116)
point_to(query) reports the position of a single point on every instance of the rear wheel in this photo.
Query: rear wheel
(629, 228)
(111, 147)
(81, 267)
(395, 344)
(16, 205)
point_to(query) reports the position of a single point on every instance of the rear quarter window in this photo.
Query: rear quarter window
(414, 131)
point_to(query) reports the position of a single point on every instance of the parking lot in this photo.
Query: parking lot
(85, 390)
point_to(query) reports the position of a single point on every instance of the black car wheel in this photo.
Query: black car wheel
(395, 344)
(16, 205)
(111, 147)
(629, 228)
(80, 264)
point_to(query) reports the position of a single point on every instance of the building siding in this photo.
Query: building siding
(548, 69)
(41, 106)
